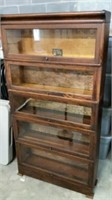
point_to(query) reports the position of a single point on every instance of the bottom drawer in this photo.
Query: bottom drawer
(60, 164)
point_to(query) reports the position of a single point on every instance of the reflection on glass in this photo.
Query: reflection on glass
(41, 158)
(77, 82)
(55, 110)
(68, 140)
(53, 42)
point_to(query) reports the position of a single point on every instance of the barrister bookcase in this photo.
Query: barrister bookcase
(55, 69)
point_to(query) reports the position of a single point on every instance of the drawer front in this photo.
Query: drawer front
(53, 42)
(56, 80)
(70, 114)
(73, 142)
(62, 165)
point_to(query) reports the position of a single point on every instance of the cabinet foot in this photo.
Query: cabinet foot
(19, 174)
(96, 181)
(90, 196)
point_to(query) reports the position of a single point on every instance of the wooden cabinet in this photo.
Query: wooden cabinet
(55, 68)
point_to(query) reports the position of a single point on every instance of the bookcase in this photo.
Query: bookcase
(55, 71)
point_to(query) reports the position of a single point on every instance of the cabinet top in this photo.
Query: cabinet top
(90, 15)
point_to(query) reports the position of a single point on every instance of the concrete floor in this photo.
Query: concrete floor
(14, 187)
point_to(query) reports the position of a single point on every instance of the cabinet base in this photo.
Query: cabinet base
(96, 181)
(20, 174)
(90, 196)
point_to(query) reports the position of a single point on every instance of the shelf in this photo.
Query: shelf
(55, 89)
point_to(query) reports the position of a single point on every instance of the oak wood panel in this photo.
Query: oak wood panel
(88, 15)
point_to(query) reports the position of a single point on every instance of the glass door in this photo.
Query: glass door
(55, 163)
(53, 42)
(66, 113)
(58, 42)
(63, 139)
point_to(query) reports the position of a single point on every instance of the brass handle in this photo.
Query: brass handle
(46, 58)
(65, 135)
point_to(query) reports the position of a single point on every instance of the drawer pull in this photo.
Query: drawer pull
(46, 58)
(65, 135)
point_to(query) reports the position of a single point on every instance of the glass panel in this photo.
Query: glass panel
(55, 162)
(68, 140)
(54, 110)
(53, 42)
(77, 82)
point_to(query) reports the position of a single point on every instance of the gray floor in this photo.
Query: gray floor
(14, 187)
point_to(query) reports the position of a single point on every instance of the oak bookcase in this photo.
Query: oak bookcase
(55, 69)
